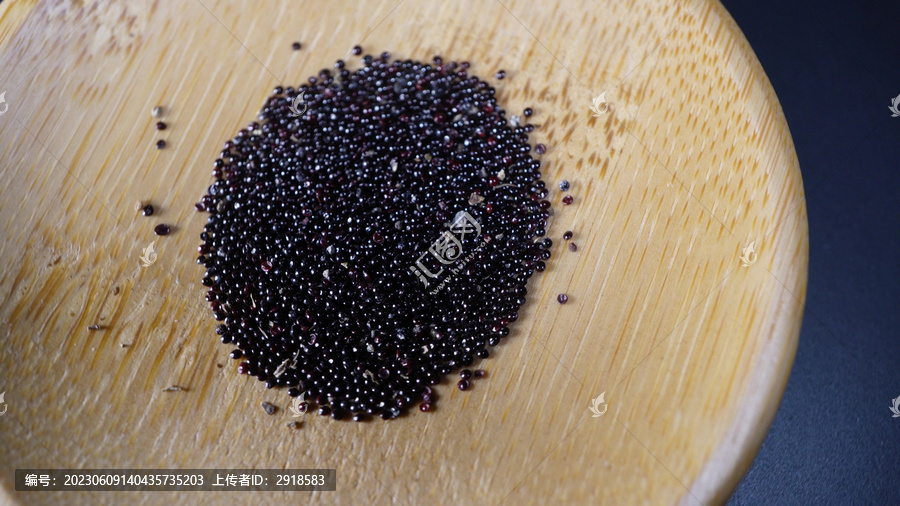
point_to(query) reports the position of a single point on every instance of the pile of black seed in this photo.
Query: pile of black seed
(330, 214)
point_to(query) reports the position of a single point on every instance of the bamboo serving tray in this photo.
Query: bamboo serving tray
(659, 115)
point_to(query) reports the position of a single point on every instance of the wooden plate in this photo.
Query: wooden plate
(688, 161)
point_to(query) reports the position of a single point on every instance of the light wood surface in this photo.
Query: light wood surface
(692, 162)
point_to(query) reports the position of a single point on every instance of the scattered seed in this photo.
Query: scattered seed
(567, 199)
(147, 210)
(161, 229)
(269, 408)
(138, 205)
(573, 246)
(528, 112)
(357, 50)
(500, 74)
(567, 235)
(160, 125)
(540, 149)
(160, 144)
(564, 185)
(463, 384)
(479, 373)
(465, 374)
(296, 46)
(562, 298)
(157, 112)
(94, 327)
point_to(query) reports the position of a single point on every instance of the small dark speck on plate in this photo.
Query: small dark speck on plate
(294, 425)
(94, 327)
(573, 247)
(269, 408)
(562, 298)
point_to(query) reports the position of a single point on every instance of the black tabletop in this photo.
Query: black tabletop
(835, 67)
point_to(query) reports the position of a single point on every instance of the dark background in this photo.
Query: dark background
(835, 67)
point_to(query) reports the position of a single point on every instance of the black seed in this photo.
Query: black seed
(161, 229)
(160, 125)
(564, 185)
(479, 373)
(357, 50)
(500, 74)
(463, 384)
(316, 219)
(296, 46)
(562, 298)
(527, 112)
(573, 247)
(567, 199)
(147, 210)
(160, 144)
(567, 235)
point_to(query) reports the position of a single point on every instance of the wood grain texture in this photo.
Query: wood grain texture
(691, 163)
